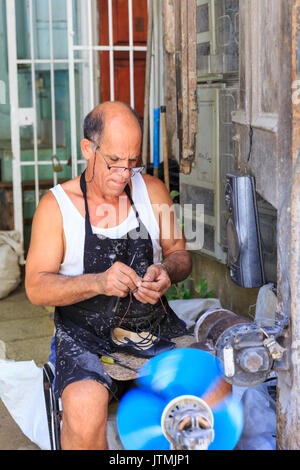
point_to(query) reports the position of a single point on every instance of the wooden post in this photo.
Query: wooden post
(288, 389)
(186, 81)
(165, 146)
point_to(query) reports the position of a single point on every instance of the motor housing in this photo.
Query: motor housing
(246, 350)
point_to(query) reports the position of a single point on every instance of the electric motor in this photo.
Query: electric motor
(246, 350)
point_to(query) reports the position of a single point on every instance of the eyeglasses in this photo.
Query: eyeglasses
(120, 169)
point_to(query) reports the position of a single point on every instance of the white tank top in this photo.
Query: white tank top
(74, 226)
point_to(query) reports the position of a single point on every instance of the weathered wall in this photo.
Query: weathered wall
(237, 299)
(288, 403)
(233, 297)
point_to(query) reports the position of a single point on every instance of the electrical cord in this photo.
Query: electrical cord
(251, 142)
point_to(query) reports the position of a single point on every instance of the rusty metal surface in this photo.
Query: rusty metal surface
(216, 322)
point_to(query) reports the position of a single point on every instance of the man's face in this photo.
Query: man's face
(120, 147)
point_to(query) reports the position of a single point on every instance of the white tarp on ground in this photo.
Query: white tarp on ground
(21, 390)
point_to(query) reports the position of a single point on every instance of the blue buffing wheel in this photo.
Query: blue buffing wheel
(169, 390)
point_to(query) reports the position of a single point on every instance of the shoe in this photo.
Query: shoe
(141, 344)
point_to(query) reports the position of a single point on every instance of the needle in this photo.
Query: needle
(132, 260)
(116, 306)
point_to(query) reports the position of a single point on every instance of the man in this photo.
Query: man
(96, 238)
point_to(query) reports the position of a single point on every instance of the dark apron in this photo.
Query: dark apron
(83, 329)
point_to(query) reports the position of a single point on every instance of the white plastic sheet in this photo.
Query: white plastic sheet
(21, 390)
(259, 431)
(189, 310)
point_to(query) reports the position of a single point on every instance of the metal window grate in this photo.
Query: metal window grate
(81, 48)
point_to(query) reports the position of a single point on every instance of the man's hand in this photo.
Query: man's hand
(118, 280)
(155, 283)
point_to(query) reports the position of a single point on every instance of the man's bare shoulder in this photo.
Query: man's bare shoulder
(49, 202)
(72, 186)
(48, 210)
(157, 190)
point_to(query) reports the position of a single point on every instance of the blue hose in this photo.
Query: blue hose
(156, 137)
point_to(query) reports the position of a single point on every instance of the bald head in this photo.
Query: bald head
(106, 116)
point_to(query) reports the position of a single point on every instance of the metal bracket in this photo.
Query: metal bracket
(284, 363)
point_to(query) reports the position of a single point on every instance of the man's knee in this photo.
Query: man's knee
(85, 405)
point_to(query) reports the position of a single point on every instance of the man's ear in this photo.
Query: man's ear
(87, 149)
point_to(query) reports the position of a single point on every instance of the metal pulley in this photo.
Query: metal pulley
(187, 422)
(246, 350)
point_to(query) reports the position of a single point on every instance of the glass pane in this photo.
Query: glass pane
(202, 18)
(40, 29)
(4, 83)
(60, 30)
(22, 27)
(227, 26)
(224, 58)
(81, 21)
(203, 48)
(6, 195)
(206, 137)
(196, 195)
(203, 53)
(209, 238)
(6, 163)
(40, 10)
(25, 86)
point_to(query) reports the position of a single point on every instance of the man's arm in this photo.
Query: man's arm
(178, 265)
(45, 286)
(177, 262)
